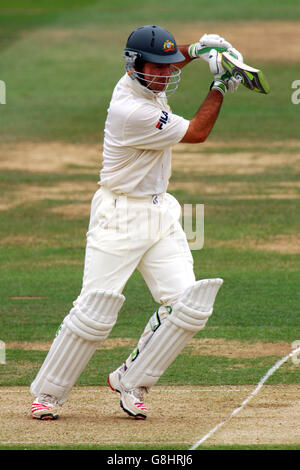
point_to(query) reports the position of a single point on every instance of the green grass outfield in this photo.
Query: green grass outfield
(60, 63)
(59, 79)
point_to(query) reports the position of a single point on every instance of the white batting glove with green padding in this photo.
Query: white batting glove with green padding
(223, 80)
(202, 48)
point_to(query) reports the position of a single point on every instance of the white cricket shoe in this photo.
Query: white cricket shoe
(44, 407)
(132, 401)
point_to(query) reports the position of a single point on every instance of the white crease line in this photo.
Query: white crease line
(246, 401)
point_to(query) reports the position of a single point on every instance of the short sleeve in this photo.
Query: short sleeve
(151, 128)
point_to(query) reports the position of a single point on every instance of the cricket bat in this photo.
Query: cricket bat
(251, 78)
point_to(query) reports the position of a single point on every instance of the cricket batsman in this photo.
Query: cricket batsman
(135, 224)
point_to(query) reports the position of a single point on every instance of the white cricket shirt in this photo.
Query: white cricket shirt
(140, 130)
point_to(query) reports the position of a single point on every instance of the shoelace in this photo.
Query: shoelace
(47, 399)
(139, 394)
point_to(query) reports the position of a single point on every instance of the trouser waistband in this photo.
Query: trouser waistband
(155, 199)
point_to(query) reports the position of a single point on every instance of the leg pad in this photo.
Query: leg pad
(88, 323)
(189, 315)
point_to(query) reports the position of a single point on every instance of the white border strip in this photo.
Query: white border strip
(246, 401)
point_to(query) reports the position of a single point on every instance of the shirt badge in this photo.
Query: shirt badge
(169, 46)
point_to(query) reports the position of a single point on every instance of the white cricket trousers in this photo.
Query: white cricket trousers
(124, 234)
(129, 233)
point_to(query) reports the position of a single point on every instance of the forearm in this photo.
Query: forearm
(205, 118)
(184, 50)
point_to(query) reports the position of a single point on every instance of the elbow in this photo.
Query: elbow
(202, 138)
(196, 134)
(194, 138)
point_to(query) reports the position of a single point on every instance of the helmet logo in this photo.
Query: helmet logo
(169, 46)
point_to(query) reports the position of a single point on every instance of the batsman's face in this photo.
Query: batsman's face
(157, 75)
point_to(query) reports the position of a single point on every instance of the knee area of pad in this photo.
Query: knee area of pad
(90, 330)
(99, 303)
(189, 319)
(93, 317)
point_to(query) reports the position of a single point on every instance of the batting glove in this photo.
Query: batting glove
(222, 76)
(236, 54)
(207, 42)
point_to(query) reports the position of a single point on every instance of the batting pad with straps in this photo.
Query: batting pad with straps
(87, 325)
(189, 315)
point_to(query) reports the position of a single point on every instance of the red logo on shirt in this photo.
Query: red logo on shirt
(162, 120)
